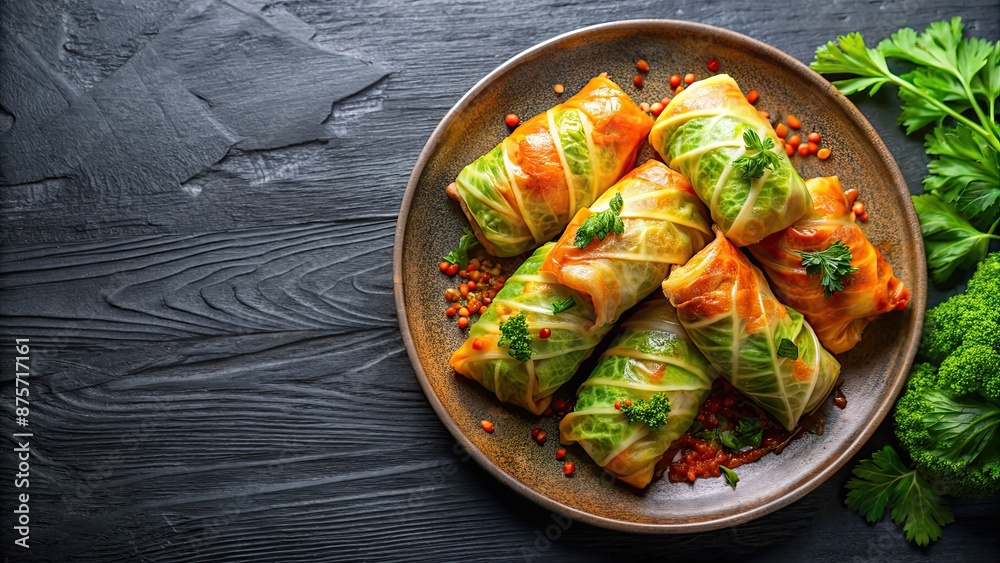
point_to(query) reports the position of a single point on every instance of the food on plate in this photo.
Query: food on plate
(765, 350)
(526, 190)
(643, 395)
(660, 223)
(714, 137)
(838, 307)
(506, 352)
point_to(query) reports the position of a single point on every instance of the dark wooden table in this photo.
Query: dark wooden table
(198, 249)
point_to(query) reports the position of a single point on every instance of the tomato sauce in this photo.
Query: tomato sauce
(691, 457)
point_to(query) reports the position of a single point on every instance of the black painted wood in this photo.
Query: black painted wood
(198, 208)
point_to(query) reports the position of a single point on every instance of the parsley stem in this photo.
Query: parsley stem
(988, 135)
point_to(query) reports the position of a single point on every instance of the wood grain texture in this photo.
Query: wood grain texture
(217, 370)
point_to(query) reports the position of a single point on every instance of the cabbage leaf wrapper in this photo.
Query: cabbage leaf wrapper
(700, 134)
(869, 292)
(553, 361)
(526, 190)
(665, 224)
(651, 355)
(765, 350)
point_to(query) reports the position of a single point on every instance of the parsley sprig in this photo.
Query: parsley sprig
(954, 87)
(758, 157)
(515, 336)
(601, 224)
(460, 255)
(652, 411)
(883, 482)
(747, 434)
(731, 477)
(833, 263)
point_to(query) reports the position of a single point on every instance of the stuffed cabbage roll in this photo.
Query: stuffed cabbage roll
(867, 293)
(765, 350)
(664, 224)
(652, 356)
(553, 360)
(527, 189)
(702, 133)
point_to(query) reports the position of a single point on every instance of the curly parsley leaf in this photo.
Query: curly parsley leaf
(883, 482)
(601, 224)
(951, 241)
(652, 411)
(788, 349)
(460, 255)
(759, 156)
(954, 86)
(731, 477)
(515, 336)
(560, 306)
(833, 264)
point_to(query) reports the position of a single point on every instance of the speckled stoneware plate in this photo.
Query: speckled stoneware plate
(430, 224)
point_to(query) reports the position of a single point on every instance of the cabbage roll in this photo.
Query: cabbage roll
(701, 134)
(526, 190)
(651, 356)
(868, 292)
(765, 350)
(664, 225)
(554, 360)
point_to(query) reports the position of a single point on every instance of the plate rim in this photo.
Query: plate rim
(918, 294)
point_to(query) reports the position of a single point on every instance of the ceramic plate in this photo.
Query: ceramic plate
(430, 224)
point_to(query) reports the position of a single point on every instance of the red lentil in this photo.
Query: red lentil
(618, 405)
(559, 88)
(803, 150)
(487, 426)
(544, 333)
(793, 122)
(678, 90)
(665, 101)
(752, 96)
(675, 80)
(540, 436)
(464, 289)
(568, 468)
(452, 270)
(444, 266)
(512, 120)
(463, 322)
(766, 115)
(813, 147)
(864, 217)
(547, 412)
(463, 312)
(451, 294)
(823, 153)
(813, 137)
(642, 66)
(795, 141)
(477, 343)
(628, 402)
(644, 106)
(689, 78)
(781, 130)
(450, 312)
(789, 150)
(463, 274)
(656, 108)
(858, 208)
(637, 81)
(559, 404)
(561, 453)
(713, 64)
(852, 196)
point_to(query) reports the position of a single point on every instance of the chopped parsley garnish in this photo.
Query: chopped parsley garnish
(758, 157)
(515, 336)
(833, 263)
(560, 306)
(748, 433)
(788, 349)
(460, 255)
(731, 477)
(601, 224)
(652, 411)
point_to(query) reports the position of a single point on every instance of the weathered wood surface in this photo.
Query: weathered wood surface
(204, 274)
